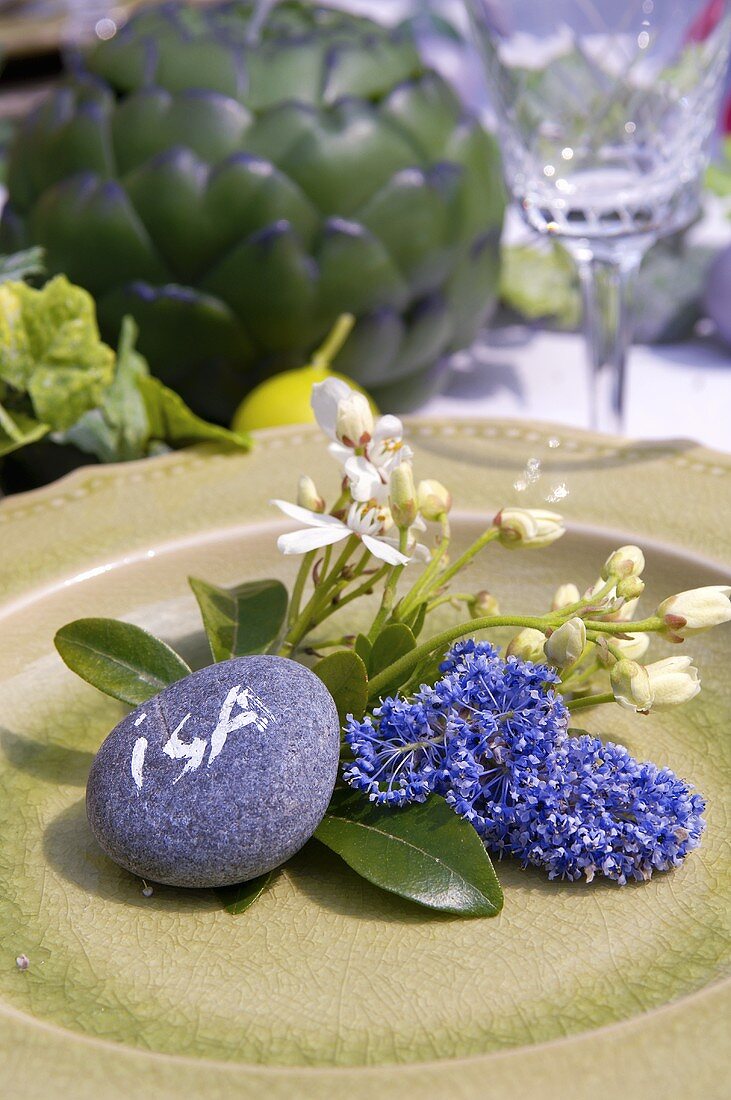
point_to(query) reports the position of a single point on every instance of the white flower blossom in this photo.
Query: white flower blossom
(566, 644)
(528, 527)
(370, 522)
(564, 596)
(434, 500)
(698, 609)
(527, 645)
(631, 686)
(673, 680)
(383, 451)
(665, 683)
(628, 561)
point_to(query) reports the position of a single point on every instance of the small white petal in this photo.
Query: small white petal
(365, 481)
(324, 401)
(381, 549)
(304, 515)
(301, 542)
(340, 452)
(388, 427)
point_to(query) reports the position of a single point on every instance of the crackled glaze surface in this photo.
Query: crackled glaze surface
(328, 986)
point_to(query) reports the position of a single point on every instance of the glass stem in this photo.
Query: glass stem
(608, 279)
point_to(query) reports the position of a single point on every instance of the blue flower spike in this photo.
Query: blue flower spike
(491, 736)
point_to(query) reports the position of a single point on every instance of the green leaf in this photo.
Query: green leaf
(240, 620)
(363, 648)
(119, 659)
(238, 898)
(17, 429)
(50, 349)
(344, 675)
(424, 852)
(22, 265)
(124, 407)
(173, 422)
(415, 621)
(394, 641)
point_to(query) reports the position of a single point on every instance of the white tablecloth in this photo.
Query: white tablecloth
(682, 390)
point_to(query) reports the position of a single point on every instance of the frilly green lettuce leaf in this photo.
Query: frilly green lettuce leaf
(50, 349)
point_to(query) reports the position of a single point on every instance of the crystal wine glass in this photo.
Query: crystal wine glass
(606, 110)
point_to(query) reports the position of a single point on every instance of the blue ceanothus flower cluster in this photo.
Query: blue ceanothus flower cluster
(491, 736)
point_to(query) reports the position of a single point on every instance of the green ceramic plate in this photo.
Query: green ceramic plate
(328, 987)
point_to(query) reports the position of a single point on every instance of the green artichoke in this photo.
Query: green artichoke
(235, 187)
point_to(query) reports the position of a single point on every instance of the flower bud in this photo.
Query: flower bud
(531, 527)
(566, 644)
(672, 681)
(631, 686)
(628, 561)
(308, 496)
(527, 645)
(632, 648)
(700, 608)
(564, 596)
(483, 604)
(434, 500)
(402, 495)
(630, 588)
(354, 420)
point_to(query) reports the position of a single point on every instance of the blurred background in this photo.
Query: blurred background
(236, 178)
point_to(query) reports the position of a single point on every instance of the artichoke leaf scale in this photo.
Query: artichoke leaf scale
(234, 183)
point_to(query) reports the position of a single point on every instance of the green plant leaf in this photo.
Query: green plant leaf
(22, 265)
(394, 641)
(240, 620)
(416, 620)
(363, 648)
(50, 349)
(424, 852)
(238, 898)
(17, 429)
(344, 675)
(173, 422)
(119, 659)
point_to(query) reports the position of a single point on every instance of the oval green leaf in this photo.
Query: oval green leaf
(424, 852)
(119, 659)
(344, 675)
(394, 641)
(242, 620)
(238, 898)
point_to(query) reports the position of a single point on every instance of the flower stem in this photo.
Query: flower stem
(590, 701)
(322, 594)
(299, 587)
(424, 583)
(449, 597)
(334, 341)
(464, 559)
(645, 626)
(389, 591)
(404, 665)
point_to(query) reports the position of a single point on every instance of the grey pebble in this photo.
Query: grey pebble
(219, 778)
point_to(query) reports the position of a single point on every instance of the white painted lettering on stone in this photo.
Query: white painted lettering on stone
(138, 759)
(239, 709)
(192, 751)
(252, 711)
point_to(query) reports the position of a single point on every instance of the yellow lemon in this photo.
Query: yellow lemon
(285, 398)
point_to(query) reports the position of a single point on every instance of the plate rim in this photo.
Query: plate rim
(38, 502)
